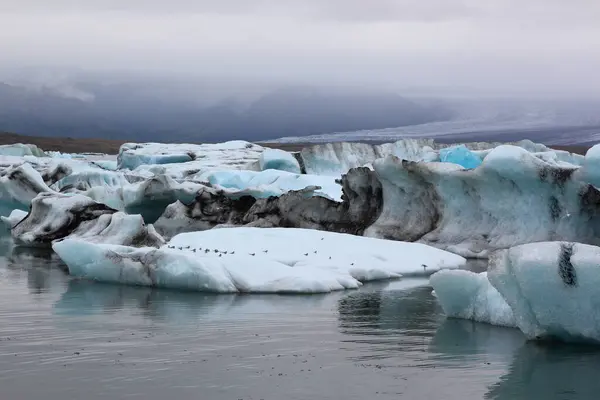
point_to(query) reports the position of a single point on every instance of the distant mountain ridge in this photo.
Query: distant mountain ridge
(144, 113)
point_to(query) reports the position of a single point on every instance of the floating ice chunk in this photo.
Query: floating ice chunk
(279, 160)
(467, 295)
(460, 155)
(14, 218)
(188, 271)
(363, 258)
(552, 289)
(21, 150)
(254, 260)
(57, 216)
(19, 185)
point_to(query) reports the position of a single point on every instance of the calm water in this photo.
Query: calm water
(69, 339)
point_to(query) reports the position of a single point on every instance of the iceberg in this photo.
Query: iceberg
(14, 218)
(21, 150)
(551, 288)
(234, 154)
(19, 184)
(279, 160)
(360, 207)
(467, 295)
(57, 216)
(460, 155)
(512, 198)
(271, 183)
(254, 260)
(547, 290)
(335, 159)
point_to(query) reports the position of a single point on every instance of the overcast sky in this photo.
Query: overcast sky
(488, 44)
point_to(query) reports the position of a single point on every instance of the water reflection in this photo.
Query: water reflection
(41, 267)
(548, 372)
(88, 298)
(460, 342)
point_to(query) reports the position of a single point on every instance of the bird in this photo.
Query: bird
(194, 250)
(225, 252)
(252, 254)
(220, 255)
(330, 257)
(352, 264)
(187, 247)
(233, 252)
(315, 252)
(322, 238)
(265, 251)
(305, 254)
(206, 251)
(216, 251)
(180, 248)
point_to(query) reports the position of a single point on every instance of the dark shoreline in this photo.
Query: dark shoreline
(72, 145)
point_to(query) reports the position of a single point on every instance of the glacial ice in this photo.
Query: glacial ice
(360, 207)
(234, 154)
(512, 198)
(460, 155)
(335, 159)
(548, 290)
(19, 184)
(551, 288)
(467, 295)
(254, 260)
(271, 183)
(14, 218)
(21, 150)
(56, 216)
(279, 160)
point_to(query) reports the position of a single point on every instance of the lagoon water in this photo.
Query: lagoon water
(69, 339)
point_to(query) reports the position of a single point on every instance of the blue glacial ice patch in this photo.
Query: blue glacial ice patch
(460, 155)
(279, 160)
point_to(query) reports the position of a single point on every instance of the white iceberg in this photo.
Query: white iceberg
(548, 290)
(255, 260)
(551, 289)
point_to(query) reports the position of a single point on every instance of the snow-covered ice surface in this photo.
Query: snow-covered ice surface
(255, 260)
(548, 290)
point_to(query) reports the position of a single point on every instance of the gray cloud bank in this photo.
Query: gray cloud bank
(528, 45)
